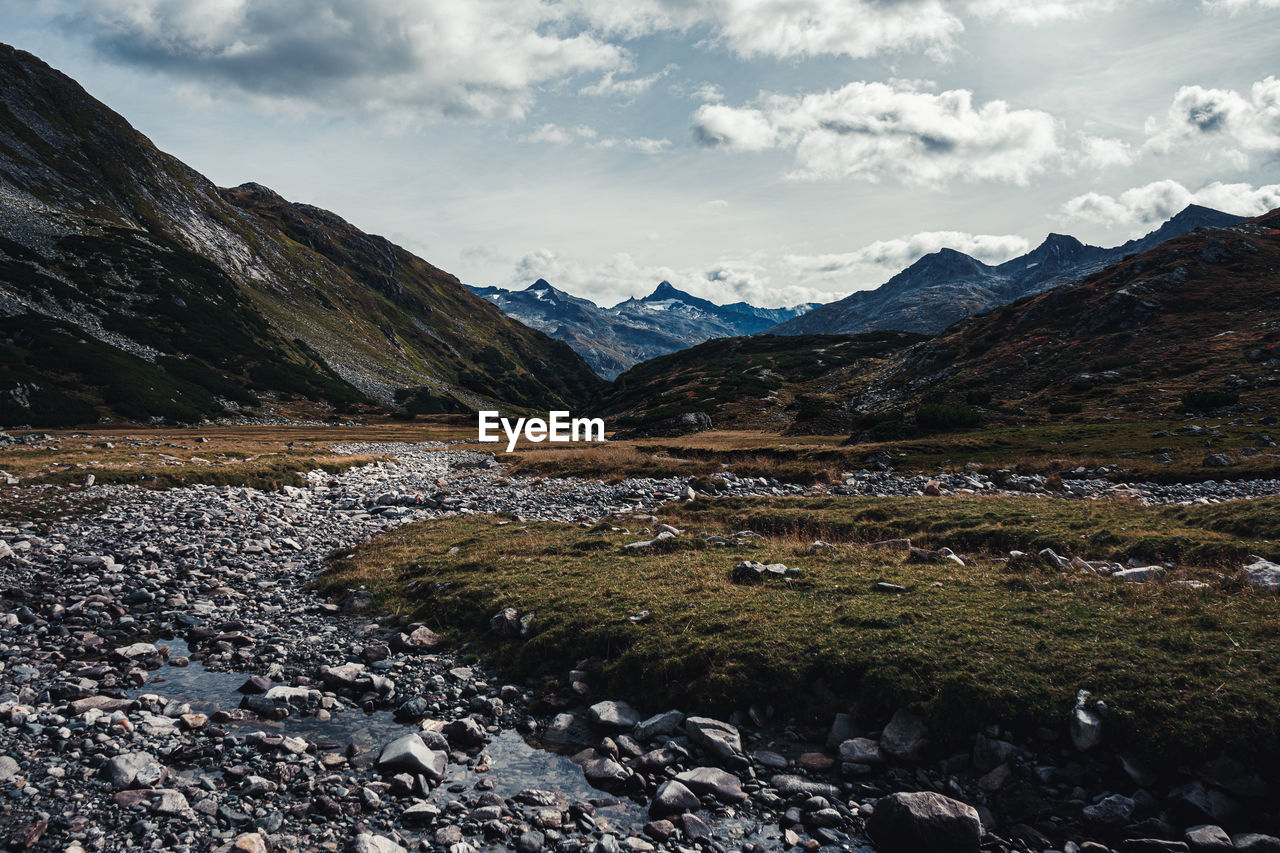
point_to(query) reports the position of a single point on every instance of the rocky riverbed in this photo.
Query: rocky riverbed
(167, 682)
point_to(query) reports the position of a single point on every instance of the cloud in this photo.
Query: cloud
(1235, 6)
(1201, 115)
(873, 131)
(873, 263)
(1037, 12)
(1101, 153)
(608, 86)
(478, 59)
(787, 28)
(1137, 208)
(554, 134)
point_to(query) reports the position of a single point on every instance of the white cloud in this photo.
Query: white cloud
(609, 86)
(1198, 114)
(478, 59)
(1101, 153)
(554, 134)
(1140, 207)
(787, 28)
(1037, 12)
(873, 131)
(875, 262)
(1234, 6)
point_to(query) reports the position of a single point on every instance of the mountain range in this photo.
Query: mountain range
(614, 339)
(131, 286)
(947, 285)
(1193, 315)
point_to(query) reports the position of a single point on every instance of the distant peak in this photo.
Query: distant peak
(540, 284)
(665, 290)
(1057, 241)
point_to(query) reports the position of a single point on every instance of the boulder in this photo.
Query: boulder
(134, 770)
(659, 724)
(905, 737)
(673, 798)
(724, 786)
(911, 823)
(613, 715)
(410, 755)
(1086, 724)
(1262, 574)
(719, 739)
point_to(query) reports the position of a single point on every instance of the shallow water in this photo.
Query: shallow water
(514, 764)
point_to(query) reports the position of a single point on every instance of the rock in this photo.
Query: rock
(1207, 838)
(1218, 460)
(530, 841)
(673, 798)
(613, 715)
(421, 639)
(1197, 803)
(1252, 842)
(465, 733)
(369, 843)
(420, 813)
(842, 729)
(1152, 845)
(1262, 574)
(910, 823)
(1086, 724)
(694, 828)
(603, 772)
(933, 489)
(249, 842)
(1113, 811)
(719, 739)
(134, 770)
(861, 750)
(789, 785)
(411, 755)
(659, 724)
(506, 622)
(989, 753)
(724, 786)
(8, 768)
(905, 737)
(1141, 574)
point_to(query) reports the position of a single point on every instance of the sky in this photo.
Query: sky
(774, 151)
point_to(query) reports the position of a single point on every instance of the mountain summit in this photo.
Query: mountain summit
(636, 329)
(945, 286)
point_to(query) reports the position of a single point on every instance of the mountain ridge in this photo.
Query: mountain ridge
(634, 330)
(132, 286)
(947, 285)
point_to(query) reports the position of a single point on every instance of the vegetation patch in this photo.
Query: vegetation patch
(1187, 673)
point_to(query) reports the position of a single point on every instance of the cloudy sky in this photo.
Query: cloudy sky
(777, 151)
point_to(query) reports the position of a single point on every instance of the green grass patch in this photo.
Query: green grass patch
(1186, 673)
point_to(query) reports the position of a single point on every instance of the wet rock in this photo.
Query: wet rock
(673, 798)
(724, 786)
(909, 823)
(465, 733)
(411, 755)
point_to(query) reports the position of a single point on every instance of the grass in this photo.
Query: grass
(1039, 449)
(1187, 673)
(261, 457)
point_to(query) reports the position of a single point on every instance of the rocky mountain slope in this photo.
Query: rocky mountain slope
(614, 339)
(947, 285)
(132, 286)
(1191, 324)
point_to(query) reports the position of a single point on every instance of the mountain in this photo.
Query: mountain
(1193, 315)
(614, 339)
(947, 285)
(131, 286)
